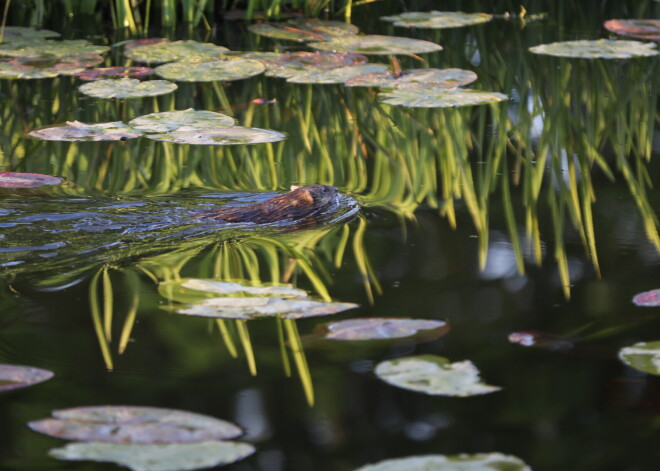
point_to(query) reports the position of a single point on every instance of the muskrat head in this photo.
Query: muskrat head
(321, 194)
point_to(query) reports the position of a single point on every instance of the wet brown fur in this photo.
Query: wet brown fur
(297, 204)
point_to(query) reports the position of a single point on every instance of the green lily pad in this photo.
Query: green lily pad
(15, 376)
(26, 180)
(597, 49)
(39, 48)
(477, 462)
(104, 73)
(191, 290)
(335, 76)
(640, 29)
(434, 375)
(437, 19)
(376, 328)
(442, 78)
(170, 457)
(47, 67)
(295, 63)
(182, 121)
(236, 135)
(223, 69)
(13, 33)
(188, 51)
(258, 307)
(127, 88)
(77, 131)
(128, 424)
(643, 356)
(438, 97)
(304, 29)
(378, 45)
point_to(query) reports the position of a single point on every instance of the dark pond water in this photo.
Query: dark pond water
(534, 216)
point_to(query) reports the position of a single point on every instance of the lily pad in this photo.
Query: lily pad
(442, 78)
(437, 19)
(104, 73)
(189, 51)
(335, 76)
(127, 88)
(141, 42)
(377, 45)
(640, 29)
(223, 69)
(236, 135)
(258, 307)
(643, 356)
(184, 120)
(294, 63)
(439, 97)
(477, 462)
(15, 376)
(597, 49)
(434, 375)
(377, 328)
(38, 48)
(128, 424)
(304, 29)
(47, 67)
(171, 457)
(77, 131)
(190, 290)
(12, 33)
(27, 180)
(647, 298)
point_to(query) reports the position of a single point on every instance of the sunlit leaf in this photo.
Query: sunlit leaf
(128, 424)
(442, 78)
(184, 120)
(643, 356)
(373, 328)
(114, 72)
(437, 19)
(188, 290)
(477, 462)
(647, 298)
(13, 33)
(170, 457)
(37, 48)
(192, 51)
(375, 44)
(77, 131)
(335, 76)
(15, 376)
(438, 97)
(47, 67)
(256, 307)
(638, 28)
(597, 49)
(434, 375)
(304, 29)
(127, 88)
(222, 69)
(237, 135)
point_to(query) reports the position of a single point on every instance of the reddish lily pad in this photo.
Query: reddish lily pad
(376, 328)
(127, 88)
(77, 131)
(647, 298)
(129, 424)
(222, 69)
(190, 51)
(47, 67)
(114, 72)
(378, 45)
(637, 28)
(15, 376)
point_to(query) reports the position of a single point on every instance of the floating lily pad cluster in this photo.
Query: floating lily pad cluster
(181, 127)
(16, 376)
(144, 438)
(437, 19)
(217, 299)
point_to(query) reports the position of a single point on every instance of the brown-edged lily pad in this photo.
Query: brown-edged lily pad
(38, 48)
(478, 462)
(304, 29)
(378, 45)
(647, 298)
(438, 97)
(437, 19)
(222, 69)
(16, 376)
(379, 328)
(77, 131)
(47, 67)
(181, 121)
(169, 457)
(191, 290)
(442, 78)
(636, 28)
(13, 33)
(431, 374)
(643, 356)
(129, 424)
(127, 88)
(189, 51)
(597, 49)
(104, 73)
(236, 135)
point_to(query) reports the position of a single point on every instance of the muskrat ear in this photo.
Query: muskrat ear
(294, 187)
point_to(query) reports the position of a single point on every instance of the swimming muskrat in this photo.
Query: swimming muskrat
(299, 203)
